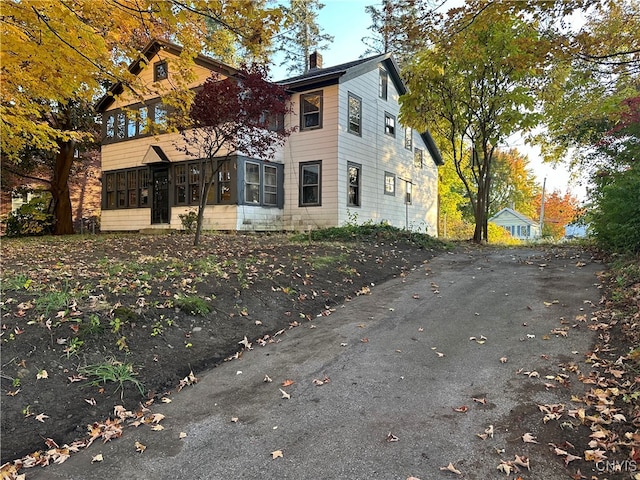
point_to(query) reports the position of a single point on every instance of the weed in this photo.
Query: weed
(115, 324)
(26, 411)
(112, 371)
(193, 305)
(92, 327)
(74, 346)
(16, 282)
(157, 329)
(325, 261)
(16, 382)
(121, 343)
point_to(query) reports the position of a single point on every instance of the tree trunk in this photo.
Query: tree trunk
(62, 211)
(204, 194)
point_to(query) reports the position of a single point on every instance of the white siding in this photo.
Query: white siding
(378, 153)
(305, 146)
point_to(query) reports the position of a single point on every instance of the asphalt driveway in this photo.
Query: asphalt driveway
(398, 383)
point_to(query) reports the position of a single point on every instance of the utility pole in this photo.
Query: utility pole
(544, 183)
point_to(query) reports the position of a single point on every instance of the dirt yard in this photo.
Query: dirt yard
(92, 322)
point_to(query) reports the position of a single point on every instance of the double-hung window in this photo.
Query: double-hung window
(311, 110)
(310, 184)
(389, 124)
(418, 158)
(252, 182)
(160, 71)
(270, 185)
(355, 114)
(389, 183)
(354, 178)
(408, 138)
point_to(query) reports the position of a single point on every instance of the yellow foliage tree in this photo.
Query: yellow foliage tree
(57, 57)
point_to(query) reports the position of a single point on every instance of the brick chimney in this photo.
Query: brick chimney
(315, 61)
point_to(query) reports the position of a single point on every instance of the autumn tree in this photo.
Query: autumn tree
(57, 58)
(475, 86)
(559, 211)
(234, 115)
(513, 184)
(302, 35)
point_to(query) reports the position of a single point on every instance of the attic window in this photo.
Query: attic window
(160, 71)
(383, 85)
(311, 110)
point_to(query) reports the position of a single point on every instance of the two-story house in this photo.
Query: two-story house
(348, 160)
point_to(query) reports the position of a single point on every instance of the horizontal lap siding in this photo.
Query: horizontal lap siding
(378, 153)
(125, 220)
(306, 146)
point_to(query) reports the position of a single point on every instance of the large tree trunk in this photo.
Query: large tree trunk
(62, 211)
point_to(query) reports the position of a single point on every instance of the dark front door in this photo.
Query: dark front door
(160, 204)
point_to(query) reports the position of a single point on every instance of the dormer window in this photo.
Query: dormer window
(160, 71)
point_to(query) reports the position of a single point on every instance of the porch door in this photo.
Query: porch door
(160, 203)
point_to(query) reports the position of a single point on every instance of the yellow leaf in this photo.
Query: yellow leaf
(42, 374)
(97, 458)
(140, 447)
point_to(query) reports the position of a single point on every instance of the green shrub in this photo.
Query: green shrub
(615, 218)
(31, 219)
(189, 220)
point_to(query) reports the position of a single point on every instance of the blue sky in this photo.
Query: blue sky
(347, 22)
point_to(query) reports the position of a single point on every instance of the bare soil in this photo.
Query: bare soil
(161, 306)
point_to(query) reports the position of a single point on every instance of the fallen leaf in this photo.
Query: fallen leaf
(285, 394)
(90, 401)
(97, 458)
(165, 400)
(140, 447)
(41, 417)
(528, 438)
(276, 454)
(503, 359)
(287, 383)
(489, 431)
(42, 374)
(182, 435)
(451, 468)
(506, 467)
(234, 419)
(157, 428)
(440, 354)
(522, 461)
(461, 409)
(392, 438)
(483, 401)
(267, 379)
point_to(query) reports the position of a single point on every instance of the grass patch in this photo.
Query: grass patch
(16, 282)
(112, 371)
(53, 301)
(326, 261)
(193, 305)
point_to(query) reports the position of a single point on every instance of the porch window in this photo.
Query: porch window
(110, 189)
(132, 188)
(389, 183)
(143, 182)
(224, 183)
(311, 111)
(355, 115)
(194, 183)
(251, 182)
(132, 130)
(310, 191)
(353, 176)
(110, 126)
(180, 182)
(270, 185)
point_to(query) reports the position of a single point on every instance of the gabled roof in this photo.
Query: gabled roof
(146, 54)
(322, 77)
(516, 214)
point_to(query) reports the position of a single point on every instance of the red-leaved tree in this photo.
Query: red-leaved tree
(240, 114)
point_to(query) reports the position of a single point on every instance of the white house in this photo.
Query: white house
(518, 225)
(348, 160)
